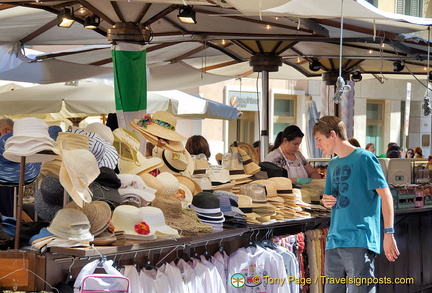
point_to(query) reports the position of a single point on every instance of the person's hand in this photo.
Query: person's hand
(390, 247)
(329, 200)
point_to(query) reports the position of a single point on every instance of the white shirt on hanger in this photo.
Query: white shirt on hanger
(130, 272)
(193, 283)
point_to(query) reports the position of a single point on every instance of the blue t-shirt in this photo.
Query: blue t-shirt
(355, 218)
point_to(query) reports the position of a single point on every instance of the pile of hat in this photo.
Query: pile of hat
(171, 198)
(260, 206)
(312, 193)
(293, 203)
(208, 208)
(229, 206)
(131, 160)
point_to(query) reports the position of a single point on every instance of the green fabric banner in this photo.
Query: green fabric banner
(130, 80)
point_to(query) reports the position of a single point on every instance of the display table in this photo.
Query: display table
(413, 234)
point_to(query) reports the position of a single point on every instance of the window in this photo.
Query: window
(373, 2)
(375, 124)
(284, 112)
(410, 7)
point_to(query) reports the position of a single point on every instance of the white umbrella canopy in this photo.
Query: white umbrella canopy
(95, 98)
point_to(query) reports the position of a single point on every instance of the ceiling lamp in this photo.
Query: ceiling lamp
(91, 22)
(315, 65)
(186, 14)
(356, 76)
(398, 66)
(66, 17)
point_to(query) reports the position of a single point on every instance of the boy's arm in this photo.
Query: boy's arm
(390, 247)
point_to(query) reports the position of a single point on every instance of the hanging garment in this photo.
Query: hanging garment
(254, 263)
(291, 267)
(153, 281)
(192, 282)
(130, 272)
(216, 279)
(174, 277)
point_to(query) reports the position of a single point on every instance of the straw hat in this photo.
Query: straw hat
(30, 139)
(161, 124)
(283, 185)
(79, 168)
(10, 171)
(97, 212)
(249, 165)
(271, 187)
(174, 162)
(190, 183)
(174, 146)
(153, 182)
(131, 160)
(170, 184)
(184, 195)
(250, 150)
(201, 164)
(174, 217)
(102, 130)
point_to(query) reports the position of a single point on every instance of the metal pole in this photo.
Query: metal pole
(264, 136)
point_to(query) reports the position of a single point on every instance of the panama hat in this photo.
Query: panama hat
(250, 150)
(161, 124)
(283, 186)
(140, 166)
(152, 182)
(79, 168)
(102, 130)
(30, 139)
(249, 166)
(10, 171)
(174, 162)
(270, 186)
(200, 164)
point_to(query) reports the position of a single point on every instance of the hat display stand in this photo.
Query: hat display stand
(19, 205)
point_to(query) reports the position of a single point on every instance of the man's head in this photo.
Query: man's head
(327, 132)
(6, 126)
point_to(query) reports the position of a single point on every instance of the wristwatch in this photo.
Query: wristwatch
(389, 230)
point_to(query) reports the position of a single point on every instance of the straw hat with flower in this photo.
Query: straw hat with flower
(160, 125)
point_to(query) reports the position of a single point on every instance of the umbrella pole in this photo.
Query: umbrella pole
(20, 203)
(264, 144)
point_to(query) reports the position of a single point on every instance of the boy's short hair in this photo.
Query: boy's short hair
(327, 124)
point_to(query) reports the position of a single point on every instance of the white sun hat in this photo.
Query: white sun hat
(30, 139)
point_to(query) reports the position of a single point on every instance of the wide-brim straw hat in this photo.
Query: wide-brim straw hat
(174, 163)
(140, 166)
(126, 143)
(193, 186)
(174, 217)
(161, 124)
(171, 145)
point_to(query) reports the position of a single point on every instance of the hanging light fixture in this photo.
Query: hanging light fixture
(356, 76)
(315, 65)
(91, 22)
(66, 17)
(398, 66)
(187, 14)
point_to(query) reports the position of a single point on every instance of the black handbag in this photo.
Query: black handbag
(273, 170)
